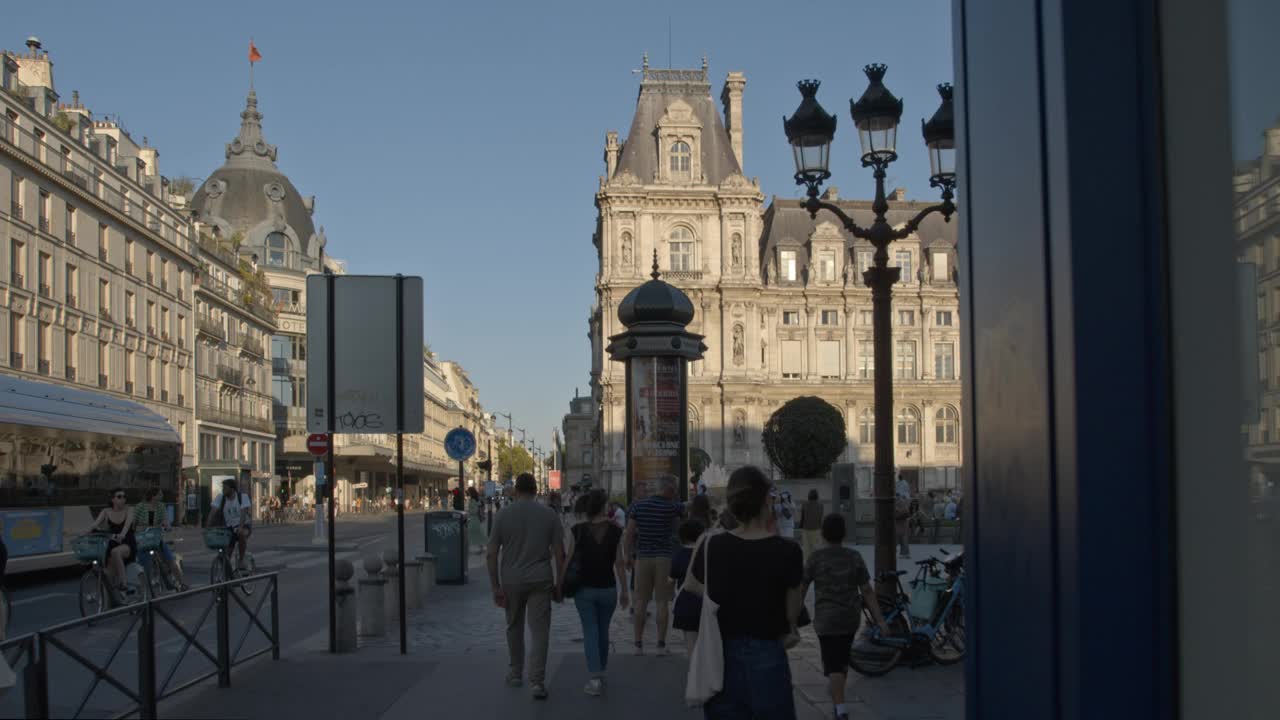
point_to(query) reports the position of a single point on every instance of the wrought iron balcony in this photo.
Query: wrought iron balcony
(128, 386)
(164, 396)
(15, 210)
(71, 373)
(42, 366)
(72, 301)
(45, 290)
(44, 224)
(102, 380)
(210, 327)
(105, 314)
(182, 400)
(230, 375)
(18, 279)
(15, 360)
(151, 393)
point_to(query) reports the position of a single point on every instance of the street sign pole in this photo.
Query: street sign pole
(400, 452)
(333, 475)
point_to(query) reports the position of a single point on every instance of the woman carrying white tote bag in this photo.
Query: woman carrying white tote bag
(706, 664)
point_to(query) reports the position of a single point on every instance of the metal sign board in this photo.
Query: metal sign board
(460, 444)
(365, 334)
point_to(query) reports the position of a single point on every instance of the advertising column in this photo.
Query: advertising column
(656, 424)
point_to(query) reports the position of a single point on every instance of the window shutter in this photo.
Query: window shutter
(790, 357)
(829, 358)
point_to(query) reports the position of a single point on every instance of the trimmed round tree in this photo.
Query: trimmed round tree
(805, 437)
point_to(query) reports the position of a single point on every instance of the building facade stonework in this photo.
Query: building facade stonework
(778, 295)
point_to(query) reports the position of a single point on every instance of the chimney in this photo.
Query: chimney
(731, 96)
(899, 193)
(150, 157)
(611, 151)
(831, 194)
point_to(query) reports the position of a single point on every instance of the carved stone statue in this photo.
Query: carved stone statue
(626, 249)
(736, 250)
(739, 349)
(739, 429)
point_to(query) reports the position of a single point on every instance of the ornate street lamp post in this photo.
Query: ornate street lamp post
(657, 349)
(876, 114)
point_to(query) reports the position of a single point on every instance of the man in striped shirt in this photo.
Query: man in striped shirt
(648, 539)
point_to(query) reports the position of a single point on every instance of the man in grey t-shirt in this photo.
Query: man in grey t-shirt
(527, 535)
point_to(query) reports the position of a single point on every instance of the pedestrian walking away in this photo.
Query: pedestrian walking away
(648, 538)
(528, 536)
(811, 523)
(842, 584)
(475, 520)
(686, 612)
(754, 576)
(596, 571)
(785, 512)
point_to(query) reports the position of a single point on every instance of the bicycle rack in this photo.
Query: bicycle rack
(29, 654)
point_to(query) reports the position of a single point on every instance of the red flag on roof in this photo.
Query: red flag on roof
(254, 55)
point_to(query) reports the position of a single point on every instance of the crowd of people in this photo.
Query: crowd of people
(754, 559)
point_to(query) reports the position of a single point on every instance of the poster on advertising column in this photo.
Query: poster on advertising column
(655, 424)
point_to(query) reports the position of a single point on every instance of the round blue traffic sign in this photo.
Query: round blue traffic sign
(460, 444)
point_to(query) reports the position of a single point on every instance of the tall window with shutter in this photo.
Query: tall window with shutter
(829, 358)
(791, 359)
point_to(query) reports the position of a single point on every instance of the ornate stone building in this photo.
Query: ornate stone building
(96, 278)
(777, 294)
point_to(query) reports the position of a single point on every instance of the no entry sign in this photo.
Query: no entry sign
(317, 443)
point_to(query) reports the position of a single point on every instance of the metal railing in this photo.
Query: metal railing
(59, 677)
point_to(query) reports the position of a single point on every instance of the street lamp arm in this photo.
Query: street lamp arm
(946, 207)
(813, 205)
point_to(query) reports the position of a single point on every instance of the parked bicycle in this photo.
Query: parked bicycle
(96, 593)
(929, 622)
(223, 541)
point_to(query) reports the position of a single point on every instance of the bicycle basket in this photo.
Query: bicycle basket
(217, 538)
(90, 548)
(924, 596)
(150, 539)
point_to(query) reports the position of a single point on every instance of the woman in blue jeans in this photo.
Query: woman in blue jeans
(597, 549)
(755, 579)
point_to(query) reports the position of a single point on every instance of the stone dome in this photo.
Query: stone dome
(250, 195)
(655, 302)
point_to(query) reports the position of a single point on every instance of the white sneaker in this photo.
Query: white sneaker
(594, 688)
(539, 691)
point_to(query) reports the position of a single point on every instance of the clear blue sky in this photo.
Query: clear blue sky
(462, 141)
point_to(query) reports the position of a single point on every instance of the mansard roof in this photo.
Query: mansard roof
(658, 89)
(787, 223)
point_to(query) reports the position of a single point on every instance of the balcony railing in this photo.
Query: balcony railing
(129, 323)
(15, 360)
(128, 386)
(71, 373)
(211, 327)
(15, 210)
(164, 396)
(45, 290)
(128, 267)
(72, 301)
(164, 285)
(182, 400)
(102, 254)
(93, 179)
(151, 393)
(102, 380)
(44, 225)
(18, 279)
(42, 366)
(151, 330)
(105, 314)
(682, 275)
(230, 375)
(233, 418)
(151, 278)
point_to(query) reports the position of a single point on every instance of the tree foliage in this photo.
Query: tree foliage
(512, 460)
(805, 437)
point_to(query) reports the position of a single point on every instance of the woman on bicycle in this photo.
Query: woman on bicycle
(122, 546)
(154, 514)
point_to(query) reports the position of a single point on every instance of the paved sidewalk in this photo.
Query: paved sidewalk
(457, 662)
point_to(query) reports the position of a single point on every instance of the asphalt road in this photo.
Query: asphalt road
(42, 600)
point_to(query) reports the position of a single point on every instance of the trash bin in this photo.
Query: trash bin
(446, 538)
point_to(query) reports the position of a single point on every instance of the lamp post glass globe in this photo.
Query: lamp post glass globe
(810, 130)
(940, 137)
(876, 114)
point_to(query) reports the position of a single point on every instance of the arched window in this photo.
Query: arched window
(908, 426)
(945, 424)
(681, 240)
(867, 427)
(277, 248)
(680, 159)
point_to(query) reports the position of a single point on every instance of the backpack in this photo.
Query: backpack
(901, 508)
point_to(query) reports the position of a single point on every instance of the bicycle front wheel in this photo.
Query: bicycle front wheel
(949, 641)
(93, 593)
(872, 660)
(250, 567)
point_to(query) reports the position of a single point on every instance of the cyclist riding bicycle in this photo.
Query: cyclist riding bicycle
(154, 514)
(231, 509)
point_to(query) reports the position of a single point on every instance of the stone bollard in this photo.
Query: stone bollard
(428, 575)
(391, 573)
(373, 620)
(345, 607)
(413, 584)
